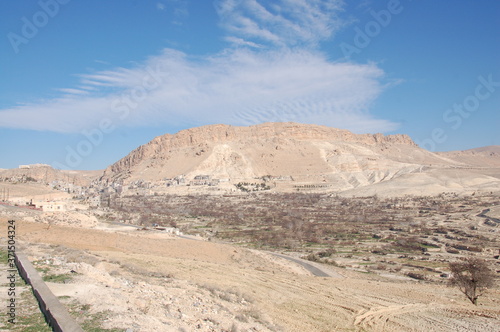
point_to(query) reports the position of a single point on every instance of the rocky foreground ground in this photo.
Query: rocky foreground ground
(123, 279)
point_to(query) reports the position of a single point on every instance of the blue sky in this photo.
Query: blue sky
(82, 83)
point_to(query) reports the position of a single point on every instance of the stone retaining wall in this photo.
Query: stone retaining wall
(55, 313)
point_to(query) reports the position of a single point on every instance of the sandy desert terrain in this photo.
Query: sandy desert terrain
(152, 281)
(380, 207)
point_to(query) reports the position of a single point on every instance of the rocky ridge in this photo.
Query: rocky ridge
(290, 157)
(219, 134)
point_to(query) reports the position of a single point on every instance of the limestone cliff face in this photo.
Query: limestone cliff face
(291, 149)
(213, 134)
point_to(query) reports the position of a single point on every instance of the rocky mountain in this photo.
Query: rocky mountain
(46, 174)
(488, 156)
(291, 156)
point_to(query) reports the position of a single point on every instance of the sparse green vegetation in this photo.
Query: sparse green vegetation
(248, 187)
(58, 278)
(28, 315)
(423, 229)
(29, 318)
(88, 320)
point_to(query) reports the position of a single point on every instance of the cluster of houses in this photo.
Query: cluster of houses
(99, 194)
(33, 166)
(181, 180)
(204, 180)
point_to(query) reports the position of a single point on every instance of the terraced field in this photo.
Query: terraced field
(154, 281)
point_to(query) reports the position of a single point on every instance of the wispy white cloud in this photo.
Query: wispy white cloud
(71, 91)
(246, 84)
(177, 8)
(102, 62)
(242, 42)
(283, 22)
(180, 11)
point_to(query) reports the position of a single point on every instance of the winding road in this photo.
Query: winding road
(316, 271)
(484, 215)
(309, 267)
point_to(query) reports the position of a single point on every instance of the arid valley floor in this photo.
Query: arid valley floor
(272, 227)
(117, 277)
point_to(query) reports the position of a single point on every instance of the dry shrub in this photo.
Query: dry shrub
(417, 276)
(472, 276)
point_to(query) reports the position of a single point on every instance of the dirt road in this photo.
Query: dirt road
(316, 271)
(154, 281)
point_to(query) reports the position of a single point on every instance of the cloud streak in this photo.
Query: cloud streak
(271, 72)
(282, 23)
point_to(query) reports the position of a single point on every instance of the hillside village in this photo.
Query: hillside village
(373, 215)
(270, 157)
(95, 193)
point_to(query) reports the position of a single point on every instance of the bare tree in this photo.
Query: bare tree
(472, 276)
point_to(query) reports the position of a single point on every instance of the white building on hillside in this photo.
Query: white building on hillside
(52, 206)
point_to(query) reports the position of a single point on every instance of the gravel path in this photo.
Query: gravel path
(309, 267)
